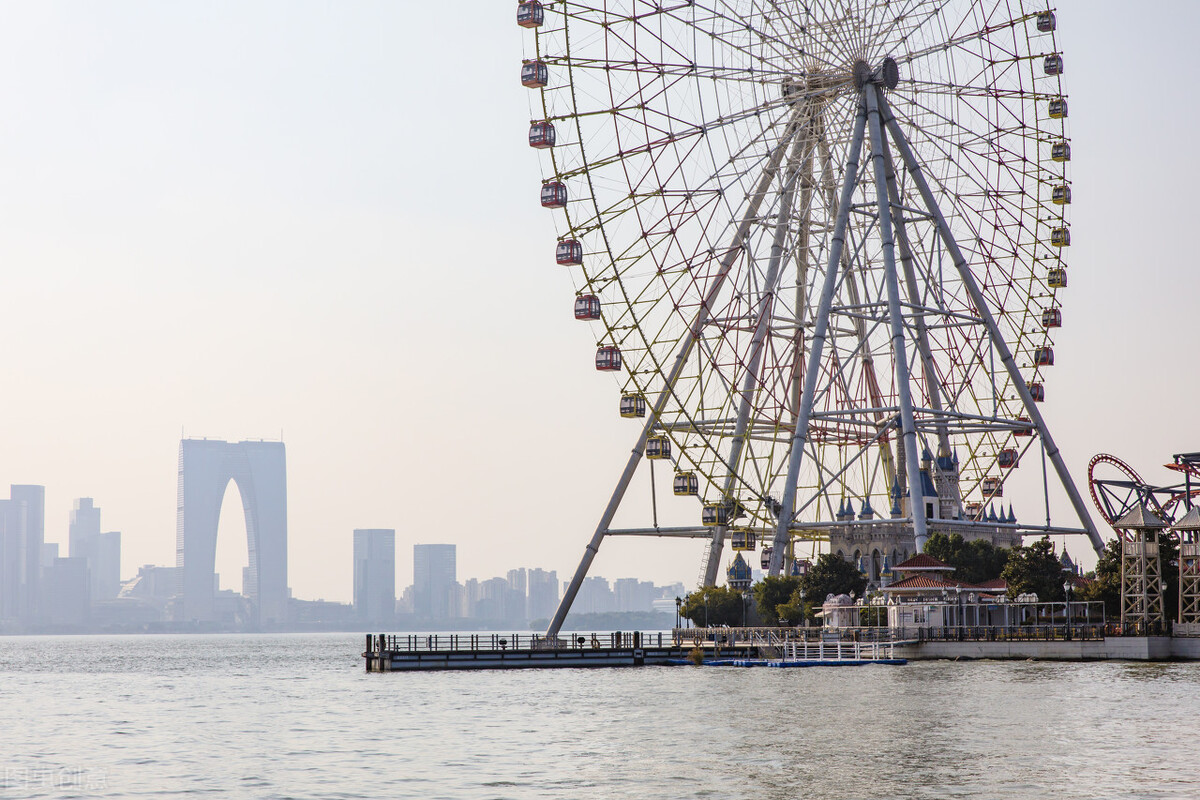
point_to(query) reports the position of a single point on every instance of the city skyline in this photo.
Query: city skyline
(255, 246)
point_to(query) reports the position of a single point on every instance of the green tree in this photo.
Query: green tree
(1035, 568)
(795, 610)
(832, 575)
(772, 592)
(714, 606)
(975, 561)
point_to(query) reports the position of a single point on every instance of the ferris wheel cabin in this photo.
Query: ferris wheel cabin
(1046, 21)
(1060, 237)
(1057, 278)
(541, 134)
(1061, 195)
(658, 447)
(1060, 151)
(633, 405)
(1052, 318)
(554, 194)
(1044, 356)
(1026, 431)
(712, 515)
(1007, 459)
(1053, 64)
(530, 14)
(685, 484)
(1036, 391)
(608, 358)
(534, 74)
(569, 253)
(992, 487)
(1058, 109)
(587, 307)
(742, 540)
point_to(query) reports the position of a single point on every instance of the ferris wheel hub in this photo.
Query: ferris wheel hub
(887, 74)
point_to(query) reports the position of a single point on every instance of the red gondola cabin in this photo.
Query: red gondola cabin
(608, 358)
(1026, 431)
(530, 14)
(541, 134)
(992, 487)
(1007, 459)
(554, 194)
(1052, 318)
(1036, 391)
(587, 307)
(534, 74)
(569, 253)
(1044, 356)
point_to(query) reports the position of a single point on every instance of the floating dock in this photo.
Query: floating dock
(416, 652)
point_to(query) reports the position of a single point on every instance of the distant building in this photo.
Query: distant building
(66, 594)
(21, 533)
(435, 581)
(543, 594)
(258, 470)
(375, 574)
(594, 597)
(101, 551)
(630, 594)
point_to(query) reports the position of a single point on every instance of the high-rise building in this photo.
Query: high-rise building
(630, 594)
(375, 574)
(543, 593)
(594, 597)
(21, 534)
(100, 551)
(105, 566)
(67, 598)
(434, 581)
(258, 470)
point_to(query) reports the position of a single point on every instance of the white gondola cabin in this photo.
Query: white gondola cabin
(686, 484)
(534, 74)
(1046, 21)
(743, 540)
(1052, 318)
(992, 487)
(1057, 278)
(1053, 64)
(1007, 459)
(1058, 109)
(569, 253)
(1060, 237)
(658, 447)
(553, 194)
(1061, 195)
(1060, 151)
(541, 134)
(587, 307)
(1043, 356)
(608, 358)
(1025, 431)
(530, 14)
(712, 515)
(1036, 390)
(633, 405)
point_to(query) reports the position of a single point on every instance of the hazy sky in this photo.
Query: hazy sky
(236, 219)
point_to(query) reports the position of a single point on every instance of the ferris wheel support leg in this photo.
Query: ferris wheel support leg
(908, 426)
(750, 380)
(981, 307)
(933, 386)
(689, 341)
(800, 436)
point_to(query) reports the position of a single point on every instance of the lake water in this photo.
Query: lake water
(296, 716)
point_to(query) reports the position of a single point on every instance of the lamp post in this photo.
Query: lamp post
(678, 612)
(803, 608)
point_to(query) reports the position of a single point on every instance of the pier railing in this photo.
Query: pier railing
(476, 642)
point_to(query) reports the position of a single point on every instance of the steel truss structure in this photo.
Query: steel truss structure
(822, 245)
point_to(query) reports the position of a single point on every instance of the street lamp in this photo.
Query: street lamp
(678, 612)
(803, 608)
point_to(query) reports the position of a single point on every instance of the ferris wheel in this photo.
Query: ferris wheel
(717, 169)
